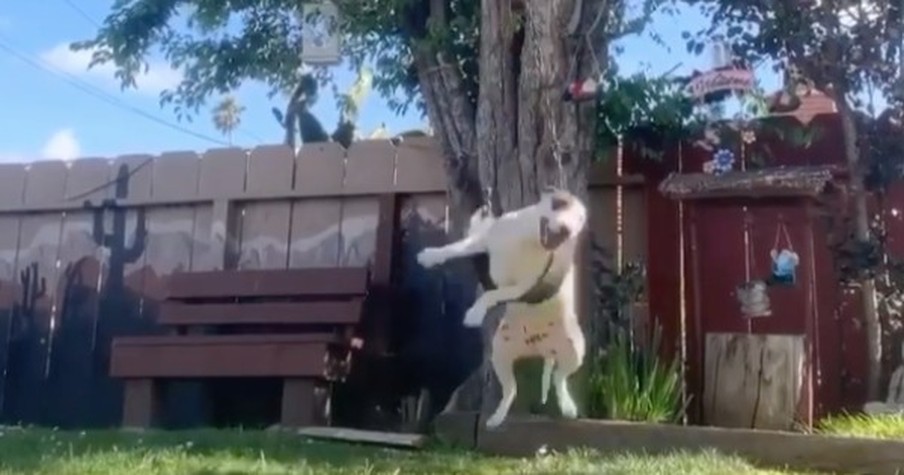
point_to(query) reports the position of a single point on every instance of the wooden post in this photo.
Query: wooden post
(305, 402)
(141, 403)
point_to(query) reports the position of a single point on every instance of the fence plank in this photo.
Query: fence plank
(320, 169)
(39, 251)
(215, 233)
(12, 191)
(140, 178)
(370, 167)
(12, 183)
(265, 225)
(419, 166)
(222, 172)
(89, 179)
(170, 229)
(170, 242)
(140, 168)
(315, 233)
(439, 299)
(72, 343)
(358, 232)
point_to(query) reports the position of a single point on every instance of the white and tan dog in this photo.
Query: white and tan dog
(535, 243)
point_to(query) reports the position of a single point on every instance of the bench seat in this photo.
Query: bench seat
(205, 356)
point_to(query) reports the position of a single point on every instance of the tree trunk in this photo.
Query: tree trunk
(523, 136)
(862, 233)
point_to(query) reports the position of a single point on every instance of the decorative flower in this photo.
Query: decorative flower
(723, 161)
(709, 167)
(748, 136)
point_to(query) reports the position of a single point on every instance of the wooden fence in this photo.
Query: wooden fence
(84, 256)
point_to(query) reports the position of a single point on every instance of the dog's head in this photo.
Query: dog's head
(562, 216)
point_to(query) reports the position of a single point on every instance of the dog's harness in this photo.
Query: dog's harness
(543, 289)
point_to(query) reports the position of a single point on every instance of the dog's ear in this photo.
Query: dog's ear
(551, 240)
(560, 200)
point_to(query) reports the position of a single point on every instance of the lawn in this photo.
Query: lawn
(235, 452)
(886, 426)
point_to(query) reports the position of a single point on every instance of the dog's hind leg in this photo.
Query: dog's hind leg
(548, 364)
(503, 366)
(569, 357)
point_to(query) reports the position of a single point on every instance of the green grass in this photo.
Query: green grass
(211, 452)
(889, 426)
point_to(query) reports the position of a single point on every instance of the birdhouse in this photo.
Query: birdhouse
(320, 43)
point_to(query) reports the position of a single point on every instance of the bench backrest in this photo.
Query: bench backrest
(326, 296)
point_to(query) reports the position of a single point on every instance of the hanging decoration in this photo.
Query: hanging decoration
(715, 85)
(753, 298)
(580, 91)
(722, 162)
(709, 89)
(784, 259)
(588, 88)
(751, 294)
(726, 76)
(320, 43)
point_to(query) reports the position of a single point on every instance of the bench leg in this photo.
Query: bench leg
(141, 403)
(305, 402)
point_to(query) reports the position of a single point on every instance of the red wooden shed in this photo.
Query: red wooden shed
(772, 371)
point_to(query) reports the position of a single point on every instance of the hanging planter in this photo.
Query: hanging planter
(753, 299)
(784, 259)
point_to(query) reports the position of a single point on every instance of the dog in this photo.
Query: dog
(531, 253)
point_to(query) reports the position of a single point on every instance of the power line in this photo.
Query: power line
(82, 13)
(90, 90)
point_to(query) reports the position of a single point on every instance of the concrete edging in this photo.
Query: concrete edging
(524, 437)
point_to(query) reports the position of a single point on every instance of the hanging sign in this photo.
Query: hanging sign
(320, 33)
(720, 80)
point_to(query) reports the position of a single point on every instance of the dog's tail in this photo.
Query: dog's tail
(547, 378)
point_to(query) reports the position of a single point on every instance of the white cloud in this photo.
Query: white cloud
(159, 75)
(62, 145)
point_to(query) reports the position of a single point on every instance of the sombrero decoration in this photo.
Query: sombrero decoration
(718, 83)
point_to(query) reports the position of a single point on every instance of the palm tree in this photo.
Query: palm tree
(227, 116)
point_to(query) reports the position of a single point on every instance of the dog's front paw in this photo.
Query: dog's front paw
(430, 257)
(495, 421)
(474, 315)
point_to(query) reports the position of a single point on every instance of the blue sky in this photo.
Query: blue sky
(46, 117)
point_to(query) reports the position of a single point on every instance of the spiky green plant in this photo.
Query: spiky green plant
(632, 382)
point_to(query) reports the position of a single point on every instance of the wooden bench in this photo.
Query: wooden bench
(297, 324)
